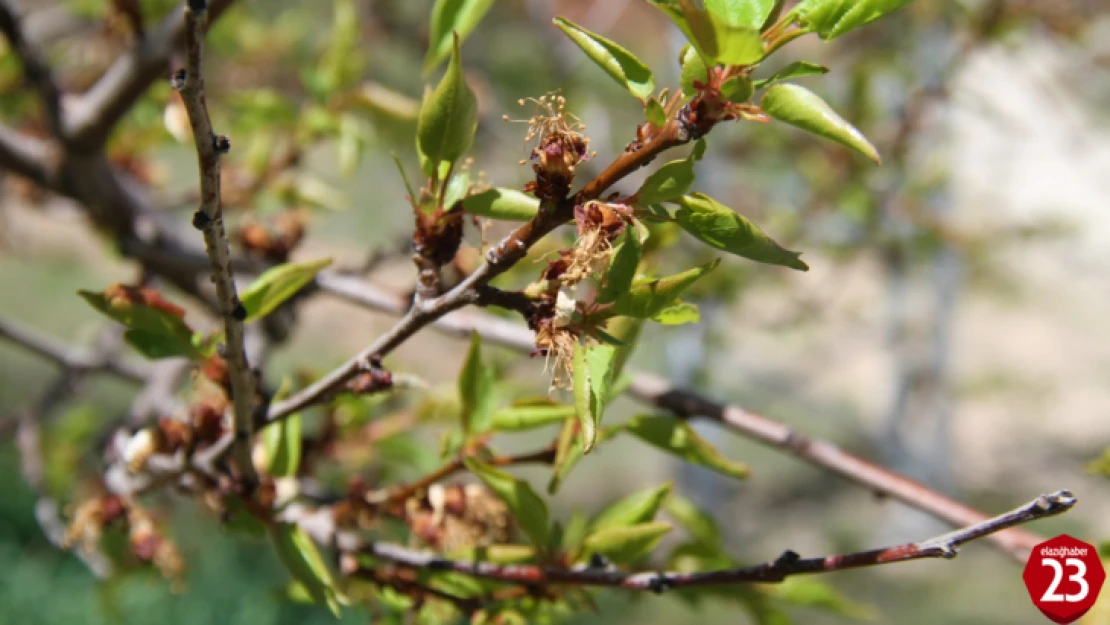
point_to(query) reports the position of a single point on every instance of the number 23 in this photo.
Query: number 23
(1079, 577)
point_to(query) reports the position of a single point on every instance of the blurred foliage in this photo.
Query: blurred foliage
(313, 94)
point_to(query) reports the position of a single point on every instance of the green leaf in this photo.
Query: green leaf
(593, 383)
(278, 284)
(722, 228)
(622, 268)
(476, 392)
(529, 416)
(507, 204)
(626, 545)
(282, 441)
(833, 18)
(448, 119)
(693, 69)
(654, 113)
(456, 189)
(737, 89)
(750, 13)
(794, 70)
(626, 330)
(460, 16)
(668, 182)
(525, 505)
(720, 41)
(303, 561)
(568, 451)
(697, 522)
(812, 593)
(154, 332)
(634, 509)
(678, 313)
(619, 63)
(647, 299)
(800, 107)
(678, 438)
(158, 346)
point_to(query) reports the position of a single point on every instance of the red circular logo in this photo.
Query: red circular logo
(1064, 576)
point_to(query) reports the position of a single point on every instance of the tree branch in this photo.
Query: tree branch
(209, 219)
(786, 565)
(92, 116)
(78, 360)
(35, 69)
(498, 260)
(656, 391)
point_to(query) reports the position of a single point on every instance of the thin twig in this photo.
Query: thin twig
(401, 493)
(81, 360)
(209, 218)
(498, 260)
(90, 118)
(786, 565)
(35, 69)
(656, 391)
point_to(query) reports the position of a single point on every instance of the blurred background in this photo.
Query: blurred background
(952, 326)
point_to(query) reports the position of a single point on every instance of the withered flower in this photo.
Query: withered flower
(559, 145)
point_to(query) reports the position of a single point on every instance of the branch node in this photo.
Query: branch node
(239, 313)
(198, 6)
(177, 80)
(222, 144)
(659, 584)
(201, 220)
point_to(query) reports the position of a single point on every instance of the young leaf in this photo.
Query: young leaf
(812, 593)
(668, 182)
(750, 13)
(568, 451)
(507, 204)
(157, 328)
(737, 89)
(722, 228)
(678, 438)
(677, 314)
(525, 505)
(278, 284)
(158, 346)
(833, 18)
(693, 70)
(448, 119)
(719, 40)
(299, 555)
(619, 63)
(456, 189)
(460, 16)
(476, 392)
(529, 416)
(626, 330)
(654, 113)
(698, 523)
(634, 509)
(282, 441)
(627, 544)
(593, 382)
(794, 70)
(800, 107)
(622, 269)
(647, 299)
